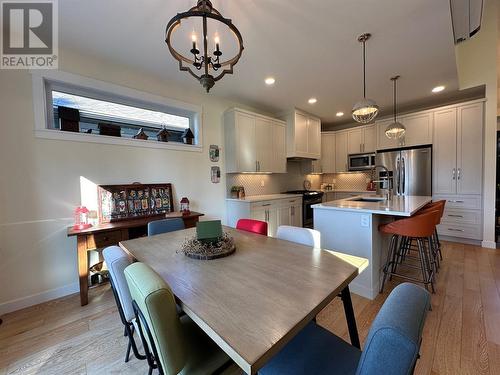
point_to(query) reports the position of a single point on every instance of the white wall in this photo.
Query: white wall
(40, 178)
(477, 65)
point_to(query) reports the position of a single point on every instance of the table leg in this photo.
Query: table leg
(349, 315)
(83, 269)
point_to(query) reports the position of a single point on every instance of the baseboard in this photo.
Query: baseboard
(362, 290)
(35, 299)
(466, 241)
(489, 244)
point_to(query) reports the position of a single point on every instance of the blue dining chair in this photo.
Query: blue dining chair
(164, 226)
(391, 348)
(117, 260)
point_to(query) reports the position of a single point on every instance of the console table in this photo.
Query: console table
(109, 234)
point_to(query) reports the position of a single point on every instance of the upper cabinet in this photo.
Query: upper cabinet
(458, 150)
(254, 143)
(328, 152)
(418, 131)
(361, 139)
(341, 144)
(303, 135)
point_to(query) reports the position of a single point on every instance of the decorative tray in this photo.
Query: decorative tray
(207, 250)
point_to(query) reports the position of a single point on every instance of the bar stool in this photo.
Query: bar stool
(439, 205)
(418, 228)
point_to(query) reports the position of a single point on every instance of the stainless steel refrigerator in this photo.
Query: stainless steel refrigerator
(410, 169)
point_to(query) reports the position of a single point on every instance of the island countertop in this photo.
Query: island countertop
(397, 206)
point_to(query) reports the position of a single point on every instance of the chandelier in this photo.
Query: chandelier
(396, 129)
(204, 64)
(365, 110)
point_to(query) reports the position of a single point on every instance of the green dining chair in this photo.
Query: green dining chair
(173, 344)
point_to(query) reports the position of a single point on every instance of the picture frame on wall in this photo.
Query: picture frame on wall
(214, 153)
(215, 174)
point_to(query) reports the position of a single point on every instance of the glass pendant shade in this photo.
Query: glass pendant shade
(395, 130)
(364, 111)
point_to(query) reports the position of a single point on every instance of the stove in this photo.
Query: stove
(309, 198)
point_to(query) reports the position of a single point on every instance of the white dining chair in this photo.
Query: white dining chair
(303, 236)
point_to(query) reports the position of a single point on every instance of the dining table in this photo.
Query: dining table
(254, 301)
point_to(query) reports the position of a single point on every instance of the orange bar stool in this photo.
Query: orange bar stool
(418, 228)
(439, 205)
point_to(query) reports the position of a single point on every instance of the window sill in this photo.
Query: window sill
(94, 138)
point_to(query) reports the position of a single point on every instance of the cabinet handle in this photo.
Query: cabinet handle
(455, 230)
(292, 201)
(292, 211)
(459, 171)
(267, 204)
(455, 201)
(455, 216)
(256, 166)
(453, 174)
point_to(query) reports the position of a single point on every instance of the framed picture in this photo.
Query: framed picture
(215, 175)
(122, 202)
(214, 153)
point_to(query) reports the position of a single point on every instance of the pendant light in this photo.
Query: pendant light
(365, 110)
(395, 130)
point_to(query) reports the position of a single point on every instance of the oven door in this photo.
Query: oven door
(307, 214)
(360, 162)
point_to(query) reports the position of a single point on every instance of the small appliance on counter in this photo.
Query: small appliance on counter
(309, 198)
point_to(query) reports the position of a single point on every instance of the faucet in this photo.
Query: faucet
(387, 192)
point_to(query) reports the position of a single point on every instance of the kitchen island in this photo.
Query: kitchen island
(351, 226)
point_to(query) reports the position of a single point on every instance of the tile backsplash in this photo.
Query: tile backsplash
(261, 184)
(273, 183)
(348, 181)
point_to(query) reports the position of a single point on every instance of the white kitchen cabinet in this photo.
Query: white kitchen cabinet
(275, 212)
(444, 151)
(341, 151)
(279, 147)
(418, 129)
(355, 141)
(264, 144)
(303, 135)
(457, 169)
(369, 138)
(470, 149)
(328, 152)
(458, 150)
(290, 212)
(418, 125)
(361, 139)
(254, 143)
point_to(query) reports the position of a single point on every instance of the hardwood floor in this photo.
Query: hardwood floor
(461, 335)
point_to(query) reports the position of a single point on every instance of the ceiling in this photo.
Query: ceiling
(309, 46)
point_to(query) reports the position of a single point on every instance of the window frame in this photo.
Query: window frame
(46, 81)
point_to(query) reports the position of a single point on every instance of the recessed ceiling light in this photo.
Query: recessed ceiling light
(270, 81)
(339, 114)
(312, 100)
(438, 89)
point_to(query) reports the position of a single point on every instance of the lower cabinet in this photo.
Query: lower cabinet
(462, 216)
(275, 212)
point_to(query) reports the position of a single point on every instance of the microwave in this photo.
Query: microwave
(361, 162)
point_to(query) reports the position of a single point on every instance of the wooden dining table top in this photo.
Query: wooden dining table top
(254, 301)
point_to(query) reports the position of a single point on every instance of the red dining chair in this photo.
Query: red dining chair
(254, 226)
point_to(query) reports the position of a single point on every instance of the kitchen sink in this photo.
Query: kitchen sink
(368, 199)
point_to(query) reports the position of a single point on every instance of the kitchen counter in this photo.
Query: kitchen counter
(267, 197)
(398, 206)
(351, 227)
